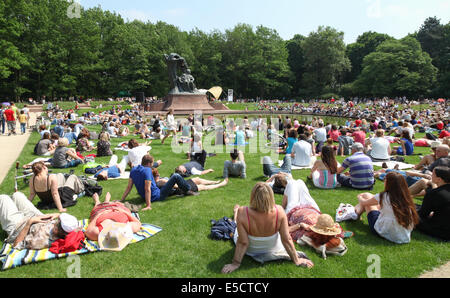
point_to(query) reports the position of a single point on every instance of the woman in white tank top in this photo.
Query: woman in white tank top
(262, 232)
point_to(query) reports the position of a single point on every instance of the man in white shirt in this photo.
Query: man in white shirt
(321, 136)
(301, 154)
(378, 148)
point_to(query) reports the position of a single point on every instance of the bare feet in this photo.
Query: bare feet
(96, 199)
(146, 208)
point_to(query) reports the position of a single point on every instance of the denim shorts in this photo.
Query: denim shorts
(372, 217)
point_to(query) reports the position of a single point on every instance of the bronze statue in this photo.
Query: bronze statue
(183, 83)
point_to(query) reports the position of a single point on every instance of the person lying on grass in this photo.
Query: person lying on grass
(104, 213)
(142, 178)
(29, 228)
(262, 232)
(197, 184)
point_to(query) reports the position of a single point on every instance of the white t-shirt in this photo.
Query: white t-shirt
(380, 148)
(303, 152)
(321, 134)
(298, 195)
(135, 155)
(387, 225)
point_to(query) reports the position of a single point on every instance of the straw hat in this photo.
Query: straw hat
(325, 226)
(115, 236)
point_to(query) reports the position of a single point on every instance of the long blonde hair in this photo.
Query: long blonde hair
(262, 198)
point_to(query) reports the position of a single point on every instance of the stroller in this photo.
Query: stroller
(276, 141)
(25, 176)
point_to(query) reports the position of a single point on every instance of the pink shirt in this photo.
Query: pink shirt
(360, 137)
(334, 135)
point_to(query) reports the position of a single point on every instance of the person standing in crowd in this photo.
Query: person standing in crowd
(10, 117)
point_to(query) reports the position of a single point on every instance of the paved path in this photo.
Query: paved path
(441, 272)
(11, 147)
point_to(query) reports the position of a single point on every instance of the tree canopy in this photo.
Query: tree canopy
(45, 51)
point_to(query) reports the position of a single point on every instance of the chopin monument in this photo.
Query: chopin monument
(183, 97)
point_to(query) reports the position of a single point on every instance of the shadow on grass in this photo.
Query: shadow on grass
(247, 262)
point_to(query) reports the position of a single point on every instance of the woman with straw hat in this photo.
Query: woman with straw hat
(262, 232)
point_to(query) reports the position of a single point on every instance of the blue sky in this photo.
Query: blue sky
(288, 17)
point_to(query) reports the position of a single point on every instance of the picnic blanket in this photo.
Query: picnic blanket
(280, 163)
(391, 165)
(11, 258)
(124, 175)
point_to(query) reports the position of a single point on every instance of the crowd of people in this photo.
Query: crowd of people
(265, 231)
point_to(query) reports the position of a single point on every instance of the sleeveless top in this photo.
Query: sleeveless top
(326, 179)
(45, 196)
(262, 245)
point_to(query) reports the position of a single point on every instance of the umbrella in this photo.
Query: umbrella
(216, 91)
(6, 103)
(441, 100)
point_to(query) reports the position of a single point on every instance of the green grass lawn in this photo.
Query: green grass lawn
(183, 248)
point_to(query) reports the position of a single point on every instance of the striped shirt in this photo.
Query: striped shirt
(361, 170)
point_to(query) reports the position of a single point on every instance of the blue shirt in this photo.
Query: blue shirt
(361, 170)
(291, 142)
(240, 138)
(140, 174)
(113, 172)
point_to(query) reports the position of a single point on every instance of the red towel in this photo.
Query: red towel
(72, 242)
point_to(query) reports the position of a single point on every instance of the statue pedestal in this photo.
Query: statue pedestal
(187, 103)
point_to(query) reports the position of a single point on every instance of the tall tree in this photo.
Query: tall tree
(325, 60)
(296, 61)
(364, 45)
(397, 67)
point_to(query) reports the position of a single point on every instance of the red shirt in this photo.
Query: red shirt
(440, 126)
(444, 134)
(9, 115)
(358, 123)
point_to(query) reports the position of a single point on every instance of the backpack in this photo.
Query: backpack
(223, 229)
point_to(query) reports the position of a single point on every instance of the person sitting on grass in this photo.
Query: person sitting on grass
(45, 146)
(29, 228)
(391, 214)
(361, 170)
(301, 153)
(51, 189)
(378, 148)
(106, 212)
(262, 232)
(136, 152)
(83, 144)
(236, 167)
(345, 143)
(324, 171)
(104, 145)
(407, 146)
(65, 157)
(142, 178)
(429, 159)
(435, 210)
